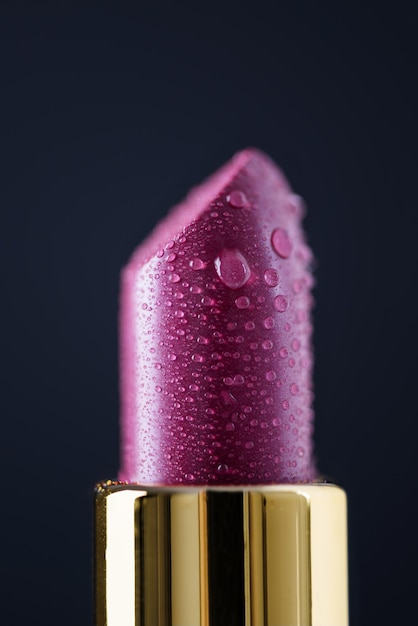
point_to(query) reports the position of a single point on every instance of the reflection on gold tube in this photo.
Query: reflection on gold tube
(266, 556)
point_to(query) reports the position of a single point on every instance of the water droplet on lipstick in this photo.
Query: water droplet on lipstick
(280, 304)
(271, 277)
(242, 302)
(281, 243)
(228, 397)
(297, 286)
(197, 264)
(208, 301)
(268, 323)
(232, 268)
(296, 345)
(237, 199)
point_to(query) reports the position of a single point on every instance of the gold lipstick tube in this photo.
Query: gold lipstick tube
(222, 556)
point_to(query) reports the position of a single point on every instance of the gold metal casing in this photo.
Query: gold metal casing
(262, 556)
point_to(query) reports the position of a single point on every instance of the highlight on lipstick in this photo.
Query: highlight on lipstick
(216, 354)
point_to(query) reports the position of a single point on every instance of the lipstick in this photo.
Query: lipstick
(218, 516)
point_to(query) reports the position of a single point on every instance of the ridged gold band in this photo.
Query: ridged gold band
(262, 556)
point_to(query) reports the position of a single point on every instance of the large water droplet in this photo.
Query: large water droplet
(232, 268)
(237, 199)
(281, 242)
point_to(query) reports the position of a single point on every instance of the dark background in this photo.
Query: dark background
(109, 113)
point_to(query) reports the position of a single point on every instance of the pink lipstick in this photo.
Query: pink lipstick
(216, 337)
(216, 421)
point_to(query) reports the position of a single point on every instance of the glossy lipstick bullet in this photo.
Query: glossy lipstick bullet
(218, 517)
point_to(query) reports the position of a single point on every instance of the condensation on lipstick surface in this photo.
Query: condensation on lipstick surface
(216, 347)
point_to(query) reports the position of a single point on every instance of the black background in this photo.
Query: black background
(109, 113)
